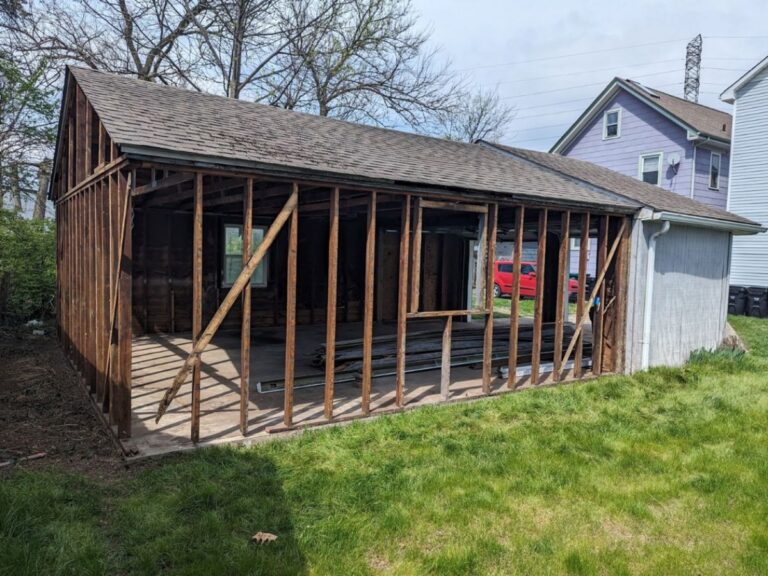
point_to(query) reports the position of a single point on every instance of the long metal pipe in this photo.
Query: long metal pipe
(649, 280)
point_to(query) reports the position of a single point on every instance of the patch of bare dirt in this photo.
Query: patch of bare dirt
(46, 417)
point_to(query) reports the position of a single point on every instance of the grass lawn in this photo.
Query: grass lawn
(503, 306)
(664, 472)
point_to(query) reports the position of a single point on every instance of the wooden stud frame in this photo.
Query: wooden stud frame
(541, 259)
(370, 262)
(562, 288)
(402, 299)
(333, 269)
(514, 317)
(578, 358)
(245, 329)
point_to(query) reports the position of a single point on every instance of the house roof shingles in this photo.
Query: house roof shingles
(655, 197)
(142, 114)
(708, 121)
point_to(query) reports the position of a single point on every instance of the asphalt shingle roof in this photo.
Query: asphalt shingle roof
(646, 194)
(708, 121)
(142, 114)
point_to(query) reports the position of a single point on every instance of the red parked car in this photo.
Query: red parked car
(502, 280)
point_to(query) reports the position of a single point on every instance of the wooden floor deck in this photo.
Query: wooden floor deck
(157, 358)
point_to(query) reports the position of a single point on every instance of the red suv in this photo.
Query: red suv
(502, 279)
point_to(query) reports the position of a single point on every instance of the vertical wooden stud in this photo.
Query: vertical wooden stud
(197, 300)
(370, 273)
(581, 307)
(491, 228)
(541, 258)
(416, 256)
(245, 329)
(330, 314)
(290, 312)
(514, 318)
(402, 300)
(563, 278)
(124, 323)
(597, 327)
(445, 366)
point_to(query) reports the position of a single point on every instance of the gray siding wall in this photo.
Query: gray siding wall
(690, 298)
(749, 181)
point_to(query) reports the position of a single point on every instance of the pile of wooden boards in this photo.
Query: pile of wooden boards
(424, 351)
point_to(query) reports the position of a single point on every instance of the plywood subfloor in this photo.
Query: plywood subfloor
(157, 358)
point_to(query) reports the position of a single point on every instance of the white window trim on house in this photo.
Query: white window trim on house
(719, 167)
(264, 264)
(643, 157)
(618, 123)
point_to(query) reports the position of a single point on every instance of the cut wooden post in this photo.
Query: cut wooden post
(290, 311)
(595, 290)
(370, 273)
(228, 302)
(124, 316)
(197, 300)
(514, 317)
(245, 329)
(490, 235)
(563, 280)
(581, 295)
(445, 366)
(402, 300)
(597, 324)
(416, 256)
(330, 314)
(541, 259)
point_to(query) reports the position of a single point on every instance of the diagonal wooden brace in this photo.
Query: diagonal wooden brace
(595, 289)
(230, 299)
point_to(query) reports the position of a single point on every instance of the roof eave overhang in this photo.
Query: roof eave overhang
(737, 228)
(729, 94)
(59, 132)
(138, 153)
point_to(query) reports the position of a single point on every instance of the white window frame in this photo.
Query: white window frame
(618, 123)
(719, 168)
(264, 262)
(660, 154)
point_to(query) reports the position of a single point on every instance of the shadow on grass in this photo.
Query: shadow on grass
(197, 513)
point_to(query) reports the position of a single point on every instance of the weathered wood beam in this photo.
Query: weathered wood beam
(124, 316)
(245, 328)
(491, 231)
(228, 302)
(580, 297)
(541, 259)
(290, 310)
(330, 314)
(402, 299)
(514, 317)
(416, 256)
(445, 364)
(595, 290)
(454, 206)
(370, 279)
(599, 316)
(563, 280)
(197, 301)
(445, 313)
(170, 181)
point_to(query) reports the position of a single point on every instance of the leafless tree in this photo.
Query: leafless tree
(478, 116)
(149, 39)
(368, 61)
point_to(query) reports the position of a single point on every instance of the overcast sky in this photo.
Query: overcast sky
(550, 58)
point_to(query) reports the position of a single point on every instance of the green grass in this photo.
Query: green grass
(664, 472)
(503, 306)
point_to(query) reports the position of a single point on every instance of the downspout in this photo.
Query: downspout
(649, 278)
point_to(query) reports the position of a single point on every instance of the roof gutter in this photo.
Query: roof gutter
(738, 228)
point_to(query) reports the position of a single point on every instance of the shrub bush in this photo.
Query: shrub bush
(27, 268)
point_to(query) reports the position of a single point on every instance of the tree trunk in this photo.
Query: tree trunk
(15, 188)
(43, 171)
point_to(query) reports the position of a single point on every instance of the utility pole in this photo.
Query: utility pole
(692, 69)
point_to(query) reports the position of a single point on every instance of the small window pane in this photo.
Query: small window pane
(714, 171)
(612, 124)
(233, 255)
(505, 267)
(650, 169)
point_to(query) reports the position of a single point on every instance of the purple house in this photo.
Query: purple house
(656, 137)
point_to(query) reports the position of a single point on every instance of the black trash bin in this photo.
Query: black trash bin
(757, 298)
(737, 300)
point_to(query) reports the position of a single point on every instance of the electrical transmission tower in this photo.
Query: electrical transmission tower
(692, 69)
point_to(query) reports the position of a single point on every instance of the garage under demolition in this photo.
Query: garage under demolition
(231, 270)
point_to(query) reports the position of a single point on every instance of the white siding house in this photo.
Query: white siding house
(748, 195)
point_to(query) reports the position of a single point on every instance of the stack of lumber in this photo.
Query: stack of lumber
(424, 351)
